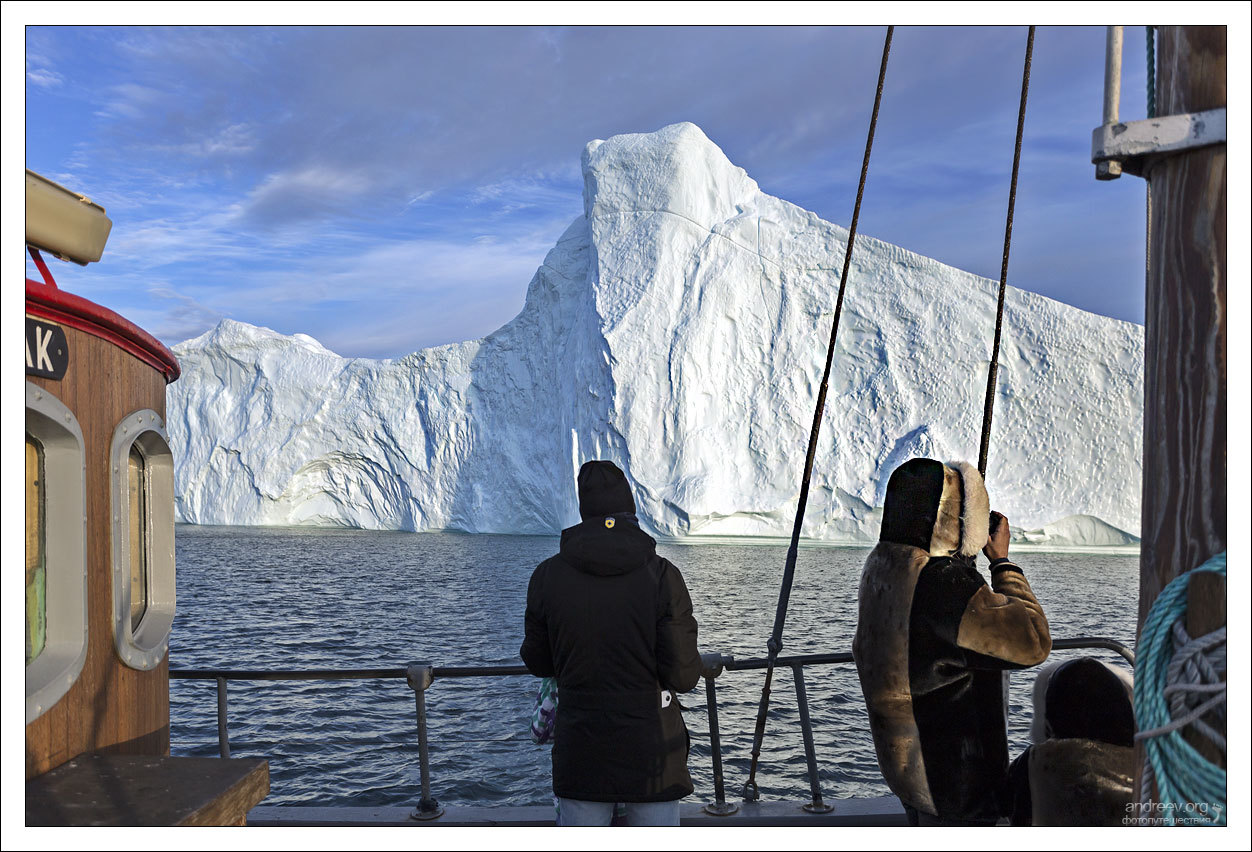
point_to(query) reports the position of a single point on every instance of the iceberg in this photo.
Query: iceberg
(679, 328)
(1076, 531)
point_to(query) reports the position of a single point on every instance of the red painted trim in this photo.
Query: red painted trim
(57, 305)
(43, 267)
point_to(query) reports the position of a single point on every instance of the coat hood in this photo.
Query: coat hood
(608, 545)
(940, 508)
(1084, 698)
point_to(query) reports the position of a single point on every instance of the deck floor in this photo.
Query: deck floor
(884, 811)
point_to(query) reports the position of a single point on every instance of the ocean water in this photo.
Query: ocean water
(258, 598)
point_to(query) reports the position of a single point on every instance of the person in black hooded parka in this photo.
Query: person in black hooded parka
(612, 622)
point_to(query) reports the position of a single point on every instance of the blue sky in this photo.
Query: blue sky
(387, 189)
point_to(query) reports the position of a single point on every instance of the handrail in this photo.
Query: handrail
(730, 663)
(289, 674)
(419, 678)
(1094, 642)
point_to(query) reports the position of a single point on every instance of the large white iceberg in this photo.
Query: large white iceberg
(679, 328)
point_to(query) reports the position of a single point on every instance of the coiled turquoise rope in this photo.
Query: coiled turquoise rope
(1183, 776)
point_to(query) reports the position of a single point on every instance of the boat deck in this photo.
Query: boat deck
(883, 811)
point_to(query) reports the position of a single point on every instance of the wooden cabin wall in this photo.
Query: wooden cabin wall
(111, 707)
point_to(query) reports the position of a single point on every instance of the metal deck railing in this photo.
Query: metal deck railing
(420, 677)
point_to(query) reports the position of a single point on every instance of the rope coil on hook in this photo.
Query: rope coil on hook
(1178, 680)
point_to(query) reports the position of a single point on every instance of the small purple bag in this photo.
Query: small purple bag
(543, 717)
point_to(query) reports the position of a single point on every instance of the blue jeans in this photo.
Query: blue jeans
(578, 812)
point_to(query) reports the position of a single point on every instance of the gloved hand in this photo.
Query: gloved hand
(998, 541)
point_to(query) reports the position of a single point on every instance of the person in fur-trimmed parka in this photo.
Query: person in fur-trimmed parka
(1080, 769)
(933, 640)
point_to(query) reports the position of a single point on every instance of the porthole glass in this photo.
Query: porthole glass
(36, 556)
(138, 493)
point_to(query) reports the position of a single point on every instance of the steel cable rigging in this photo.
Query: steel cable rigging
(775, 643)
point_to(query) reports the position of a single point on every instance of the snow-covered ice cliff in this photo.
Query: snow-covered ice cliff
(678, 328)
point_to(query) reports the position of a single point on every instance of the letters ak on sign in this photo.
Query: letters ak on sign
(47, 350)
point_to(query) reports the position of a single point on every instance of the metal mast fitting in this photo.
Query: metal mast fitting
(1131, 146)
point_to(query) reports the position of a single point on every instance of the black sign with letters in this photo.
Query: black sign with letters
(47, 350)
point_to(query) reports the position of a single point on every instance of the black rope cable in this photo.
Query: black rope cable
(775, 641)
(994, 368)
(1151, 34)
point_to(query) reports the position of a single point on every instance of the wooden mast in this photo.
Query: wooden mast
(1184, 411)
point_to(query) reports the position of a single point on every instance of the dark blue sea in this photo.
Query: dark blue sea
(264, 598)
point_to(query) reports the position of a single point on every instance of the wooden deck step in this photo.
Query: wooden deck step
(96, 789)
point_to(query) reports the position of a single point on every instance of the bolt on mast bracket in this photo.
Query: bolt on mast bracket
(1131, 145)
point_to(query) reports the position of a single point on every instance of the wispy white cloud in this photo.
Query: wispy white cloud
(298, 194)
(131, 101)
(43, 77)
(180, 316)
(384, 300)
(397, 268)
(233, 140)
(545, 190)
(39, 67)
(156, 242)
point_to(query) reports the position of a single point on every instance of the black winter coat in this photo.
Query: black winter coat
(611, 621)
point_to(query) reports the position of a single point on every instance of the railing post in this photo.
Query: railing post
(223, 738)
(420, 677)
(817, 806)
(713, 666)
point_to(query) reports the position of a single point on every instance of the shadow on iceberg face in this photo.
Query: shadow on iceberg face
(536, 391)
